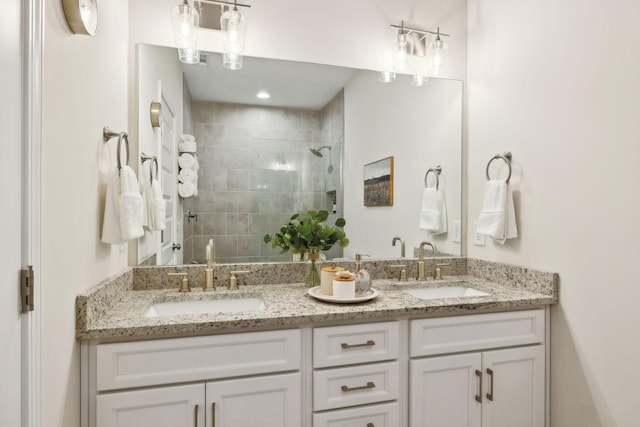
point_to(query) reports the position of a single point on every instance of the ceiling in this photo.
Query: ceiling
(290, 84)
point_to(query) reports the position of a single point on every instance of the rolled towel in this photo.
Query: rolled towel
(187, 137)
(187, 175)
(186, 160)
(187, 146)
(497, 219)
(186, 189)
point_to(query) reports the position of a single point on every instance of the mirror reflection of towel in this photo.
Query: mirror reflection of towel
(498, 218)
(124, 209)
(433, 215)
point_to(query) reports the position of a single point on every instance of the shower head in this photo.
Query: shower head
(317, 152)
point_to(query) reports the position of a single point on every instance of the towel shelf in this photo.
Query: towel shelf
(154, 159)
(506, 157)
(436, 171)
(108, 134)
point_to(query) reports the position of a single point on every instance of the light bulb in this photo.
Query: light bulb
(232, 61)
(439, 55)
(184, 19)
(404, 51)
(233, 28)
(189, 55)
(386, 77)
(419, 80)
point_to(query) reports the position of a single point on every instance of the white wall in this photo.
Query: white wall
(84, 89)
(557, 83)
(421, 128)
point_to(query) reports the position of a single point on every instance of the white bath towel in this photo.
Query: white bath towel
(497, 219)
(154, 203)
(187, 160)
(187, 175)
(187, 146)
(433, 215)
(124, 209)
(186, 189)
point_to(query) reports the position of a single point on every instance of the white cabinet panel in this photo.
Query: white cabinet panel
(166, 361)
(444, 390)
(271, 401)
(514, 387)
(178, 406)
(351, 344)
(476, 332)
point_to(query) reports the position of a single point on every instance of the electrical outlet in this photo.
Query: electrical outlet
(478, 239)
(457, 231)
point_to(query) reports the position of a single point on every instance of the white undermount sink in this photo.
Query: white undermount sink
(212, 306)
(444, 292)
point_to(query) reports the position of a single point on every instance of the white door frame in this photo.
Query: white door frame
(32, 54)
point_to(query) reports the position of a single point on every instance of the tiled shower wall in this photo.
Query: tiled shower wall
(256, 170)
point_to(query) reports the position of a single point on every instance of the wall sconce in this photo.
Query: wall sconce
(185, 18)
(155, 114)
(411, 43)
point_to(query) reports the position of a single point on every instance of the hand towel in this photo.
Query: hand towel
(186, 189)
(497, 219)
(433, 215)
(187, 146)
(186, 160)
(130, 205)
(124, 210)
(157, 207)
(187, 175)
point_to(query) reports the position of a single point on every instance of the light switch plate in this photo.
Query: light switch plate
(478, 239)
(457, 231)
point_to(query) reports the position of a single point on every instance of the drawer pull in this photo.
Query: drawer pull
(490, 394)
(479, 395)
(369, 343)
(370, 425)
(195, 415)
(213, 414)
(363, 387)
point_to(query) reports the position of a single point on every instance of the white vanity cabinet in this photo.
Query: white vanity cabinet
(356, 365)
(457, 380)
(241, 379)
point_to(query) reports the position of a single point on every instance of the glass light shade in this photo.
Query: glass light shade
(184, 19)
(234, 29)
(439, 57)
(189, 56)
(232, 61)
(404, 52)
(386, 77)
(419, 80)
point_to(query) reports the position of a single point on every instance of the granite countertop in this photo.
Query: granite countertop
(289, 305)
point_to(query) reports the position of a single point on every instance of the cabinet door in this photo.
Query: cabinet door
(181, 406)
(444, 391)
(270, 401)
(514, 387)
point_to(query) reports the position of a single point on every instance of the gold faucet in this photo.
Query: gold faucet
(208, 272)
(233, 280)
(184, 283)
(420, 275)
(393, 243)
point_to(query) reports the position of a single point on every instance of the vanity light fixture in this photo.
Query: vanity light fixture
(189, 55)
(386, 77)
(412, 43)
(419, 80)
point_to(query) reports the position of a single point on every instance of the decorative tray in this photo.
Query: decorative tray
(315, 292)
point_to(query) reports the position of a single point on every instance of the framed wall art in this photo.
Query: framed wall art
(378, 183)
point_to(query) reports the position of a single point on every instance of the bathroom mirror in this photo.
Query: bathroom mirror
(305, 147)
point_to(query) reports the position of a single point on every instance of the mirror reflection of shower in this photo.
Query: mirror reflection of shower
(317, 153)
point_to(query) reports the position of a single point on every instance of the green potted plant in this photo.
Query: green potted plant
(307, 233)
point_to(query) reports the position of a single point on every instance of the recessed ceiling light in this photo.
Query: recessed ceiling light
(263, 94)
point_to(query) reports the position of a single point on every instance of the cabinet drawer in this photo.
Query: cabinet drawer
(346, 345)
(144, 363)
(355, 385)
(475, 332)
(384, 415)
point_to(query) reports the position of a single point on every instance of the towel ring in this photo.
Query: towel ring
(506, 156)
(121, 137)
(437, 171)
(154, 159)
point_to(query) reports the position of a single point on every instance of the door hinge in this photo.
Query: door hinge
(26, 289)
